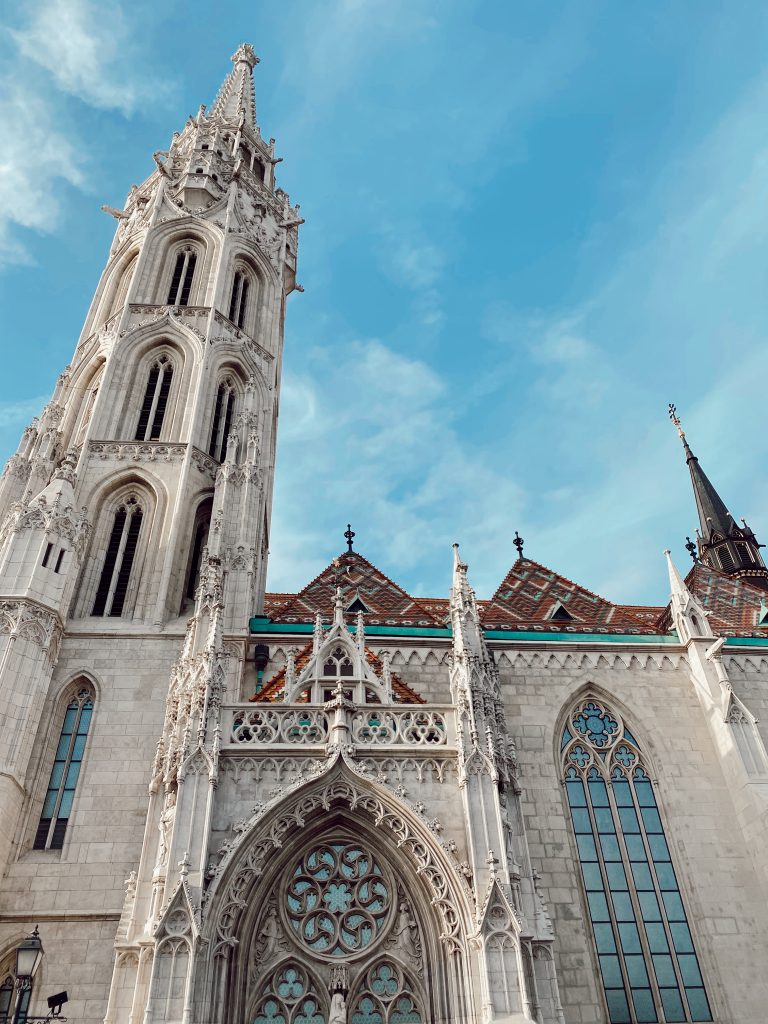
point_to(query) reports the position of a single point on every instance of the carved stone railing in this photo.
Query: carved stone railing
(273, 725)
(373, 727)
(414, 727)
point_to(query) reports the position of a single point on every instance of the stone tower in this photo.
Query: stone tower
(142, 494)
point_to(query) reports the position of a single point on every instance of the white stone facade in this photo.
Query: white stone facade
(345, 852)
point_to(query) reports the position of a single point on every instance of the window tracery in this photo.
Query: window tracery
(339, 943)
(648, 964)
(155, 399)
(238, 302)
(57, 807)
(183, 273)
(223, 414)
(338, 899)
(338, 663)
(118, 559)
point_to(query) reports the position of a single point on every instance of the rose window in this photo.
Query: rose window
(338, 899)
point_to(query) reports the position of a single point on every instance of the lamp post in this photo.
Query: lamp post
(29, 956)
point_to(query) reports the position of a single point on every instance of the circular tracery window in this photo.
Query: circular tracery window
(338, 899)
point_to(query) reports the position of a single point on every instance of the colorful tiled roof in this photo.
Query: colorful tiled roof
(733, 606)
(533, 595)
(385, 601)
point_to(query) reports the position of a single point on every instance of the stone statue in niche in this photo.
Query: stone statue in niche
(165, 825)
(338, 1014)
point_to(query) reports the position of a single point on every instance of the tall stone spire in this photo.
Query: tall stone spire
(722, 544)
(237, 95)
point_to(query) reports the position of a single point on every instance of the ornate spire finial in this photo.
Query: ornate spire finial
(349, 534)
(518, 542)
(690, 547)
(245, 53)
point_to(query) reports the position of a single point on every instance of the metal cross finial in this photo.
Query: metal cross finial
(690, 547)
(349, 534)
(676, 419)
(518, 542)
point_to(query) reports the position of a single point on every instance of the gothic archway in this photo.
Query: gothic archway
(346, 892)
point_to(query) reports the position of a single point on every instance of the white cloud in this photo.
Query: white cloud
(89, 51)
(379, 449)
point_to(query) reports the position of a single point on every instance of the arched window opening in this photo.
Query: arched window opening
(289, 995)
(338, 663)
(121, 291)
(88, 406)
(223, 413)
(726, 559)
(155, 400)
(649, 968)
(118, 561)
(387, 997)
(239, 299)
(198, 545)
(13, 1006)
(57, 808)
(258, 169)
(183, 272)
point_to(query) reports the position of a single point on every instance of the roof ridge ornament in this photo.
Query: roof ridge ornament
(518, 542)
(245, 53)
(349, 536)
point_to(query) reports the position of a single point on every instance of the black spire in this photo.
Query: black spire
(723, 544)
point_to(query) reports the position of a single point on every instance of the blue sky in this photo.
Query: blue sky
(529, 226)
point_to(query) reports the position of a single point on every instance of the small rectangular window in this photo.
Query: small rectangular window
(59, 560)
(47, 555)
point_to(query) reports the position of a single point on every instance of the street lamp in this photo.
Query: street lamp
(29, 956)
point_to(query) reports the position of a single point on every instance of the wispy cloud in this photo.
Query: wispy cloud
(88, 51)
(381, 449)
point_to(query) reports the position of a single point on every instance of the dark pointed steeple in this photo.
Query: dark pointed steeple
(723, 544)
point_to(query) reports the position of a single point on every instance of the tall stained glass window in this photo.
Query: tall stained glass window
(66, 769)
(649, 968)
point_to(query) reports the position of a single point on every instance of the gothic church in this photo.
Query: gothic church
(347, 804)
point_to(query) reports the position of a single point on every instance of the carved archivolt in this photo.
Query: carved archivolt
(241, 869)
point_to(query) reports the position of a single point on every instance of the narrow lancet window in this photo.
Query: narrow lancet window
(57, 808)
(155, 400)
(223, 412)
(239, 299)
(649, 968)
(201, 535)
(118, 560)
(183, 272)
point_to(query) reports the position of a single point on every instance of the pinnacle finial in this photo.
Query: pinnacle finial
(245, 53)
(676, 420)
(518, 542)
(690, 547)
(349, 535)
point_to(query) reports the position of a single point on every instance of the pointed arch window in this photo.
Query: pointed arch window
(118, 560)
(183, 273)
(88, 405)
(155, 400)
(223, 413)
(649, 968)
(198, 544)
(57, 807)
(238, 302)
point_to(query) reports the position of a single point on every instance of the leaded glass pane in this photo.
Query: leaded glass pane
(645, 1011)
(622, 906)
(604, 938)
(681, 937)
(57, 806)
(617, 877)
(618, 1007)
(665, 972)
(609, 965)
(698, 1004)
(630, 938)
(657, 938)
(672, 1003)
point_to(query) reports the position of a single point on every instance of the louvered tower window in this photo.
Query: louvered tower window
(57, 808)
(648, 964)
(239, 298)
(183, 272)
(223, 412)
(118, 561)
(155, 400)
